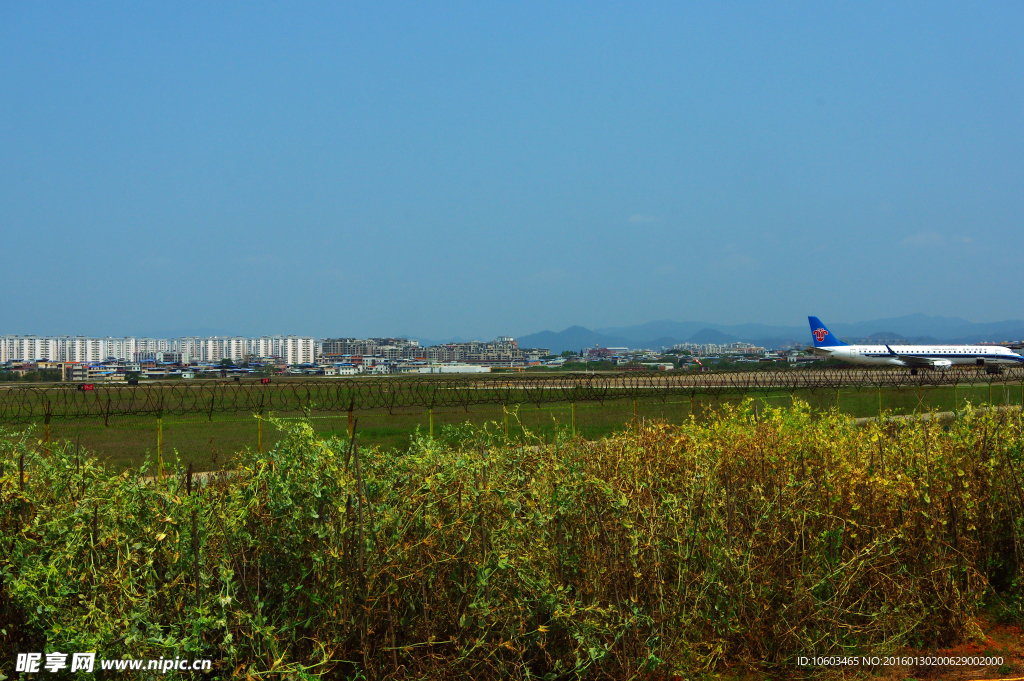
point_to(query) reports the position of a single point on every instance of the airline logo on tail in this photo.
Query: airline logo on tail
(821, 333)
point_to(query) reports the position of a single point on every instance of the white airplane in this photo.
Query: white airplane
(941, 357)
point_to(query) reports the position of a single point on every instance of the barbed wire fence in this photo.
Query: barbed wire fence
(23, 404)
(217, 416)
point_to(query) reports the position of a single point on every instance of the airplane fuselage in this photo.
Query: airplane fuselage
(929, 356)
(940, 357)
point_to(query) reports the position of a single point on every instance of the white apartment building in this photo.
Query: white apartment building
(154, 345)
(236, 348)
(212, 349)
(89, 350)
(193, 345)
(79, 349)
(293, 349)
(298, 350)
(28, 348)
(120, 348)
(266, 346)
(64, 348)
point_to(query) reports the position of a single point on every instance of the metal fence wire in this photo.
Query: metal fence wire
(104, 401)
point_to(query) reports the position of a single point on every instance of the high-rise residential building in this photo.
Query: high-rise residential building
(119, 348)
(266, 346)
(235, 348)
(290, 350)
(30, 348)
(64, 348)
(298, 350)
(77, 349)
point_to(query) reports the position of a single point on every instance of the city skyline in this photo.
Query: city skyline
(910, 325)
(302, 348)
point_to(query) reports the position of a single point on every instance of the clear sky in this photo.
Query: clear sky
(475, 169)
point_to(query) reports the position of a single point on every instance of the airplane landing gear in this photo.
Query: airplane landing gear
(913, 372)
(993, 370)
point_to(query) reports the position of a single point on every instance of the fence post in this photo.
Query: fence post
(636, 422)
(990, 393)
(104, 410)
(574, 419)
(160, 442)
(431, 423)
(879, 401)
(46, 430)
(837, 400)
(195, 538)
(21, 486)
(351, 417)
(94, 535)
(195, 556)
(505, 409)
(259, 431)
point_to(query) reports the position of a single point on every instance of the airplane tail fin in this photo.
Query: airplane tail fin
(823, 338)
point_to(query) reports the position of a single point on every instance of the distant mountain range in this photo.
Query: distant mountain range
(914, 328)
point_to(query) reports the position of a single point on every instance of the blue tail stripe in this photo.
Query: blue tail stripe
(822, 337)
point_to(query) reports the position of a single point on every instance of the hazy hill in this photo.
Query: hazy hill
(945, 329)
(1013, 334)
(889, 337)
(712, 336)
(658, 329)
(573, 338)
(913, 328)
(686, 330)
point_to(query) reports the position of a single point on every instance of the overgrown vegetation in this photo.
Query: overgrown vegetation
(39, 375)
(746, 540)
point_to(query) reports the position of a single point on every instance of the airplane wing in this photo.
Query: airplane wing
(915, 361)
(918, 361)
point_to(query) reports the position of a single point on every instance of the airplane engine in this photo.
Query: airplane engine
(942, 364)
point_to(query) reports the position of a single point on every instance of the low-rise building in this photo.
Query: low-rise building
(453, 368)
(804, 359)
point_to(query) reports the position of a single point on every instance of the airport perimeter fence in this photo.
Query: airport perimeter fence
(208, 422)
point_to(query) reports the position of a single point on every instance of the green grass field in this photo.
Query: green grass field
(210, 442)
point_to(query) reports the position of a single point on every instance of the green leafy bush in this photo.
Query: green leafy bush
(664, 549)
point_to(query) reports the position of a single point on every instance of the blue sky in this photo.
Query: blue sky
(446, 169)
